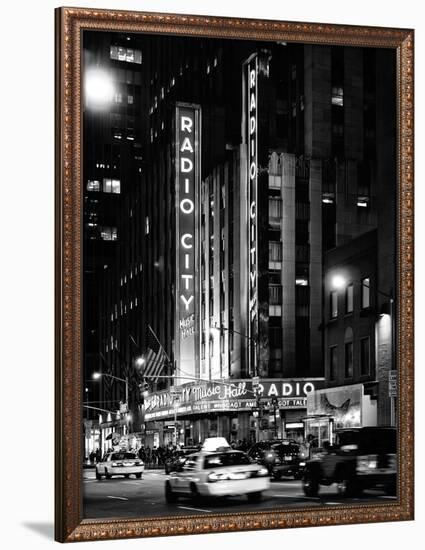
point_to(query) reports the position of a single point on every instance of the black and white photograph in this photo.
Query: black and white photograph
(239, 273)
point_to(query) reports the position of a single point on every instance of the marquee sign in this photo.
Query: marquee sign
(230, 395)
(187, 163)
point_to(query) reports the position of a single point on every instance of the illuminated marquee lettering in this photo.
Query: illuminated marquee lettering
(187, 182)
(251, 130)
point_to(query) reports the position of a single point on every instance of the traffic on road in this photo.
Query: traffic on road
(215, 478)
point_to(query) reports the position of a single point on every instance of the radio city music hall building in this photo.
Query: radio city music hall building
(249, 162)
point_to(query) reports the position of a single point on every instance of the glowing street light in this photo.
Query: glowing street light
(140, 361)
(338, 282)
(99, 87)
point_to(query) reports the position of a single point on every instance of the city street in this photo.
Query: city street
(132, 498)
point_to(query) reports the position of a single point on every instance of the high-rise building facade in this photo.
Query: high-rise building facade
(253, 161)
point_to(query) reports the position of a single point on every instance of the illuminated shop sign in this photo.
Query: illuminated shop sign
(252, 165)
(344, 404)
(230, 395)
(187, 193)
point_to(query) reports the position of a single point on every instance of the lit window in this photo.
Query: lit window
(111, 186)
(349, 300)
(337, 96)
(301, 281)
(275, 251)
(275, 208)
(328, 198)
(109, 233)
(275, 294)
(128, 55)
(363, 201)
(334, 304)
(147, 225)
(365, 356)
(130, 100)
(93, 185)
(118, 98)
(365, 292)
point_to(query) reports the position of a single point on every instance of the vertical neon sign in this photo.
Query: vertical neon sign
(252, 157)
(187, 157)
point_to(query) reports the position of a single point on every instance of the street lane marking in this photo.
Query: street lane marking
(118, 498)
(196, 509)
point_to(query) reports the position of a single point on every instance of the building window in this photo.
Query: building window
(275, 294)
(334, 304)
(147, 225)
(126, 54)
(109, 233)
(275, 255)
(337, 96)
(275, 208)
(365, 292)
(333, 362)
(365, 356)
(348, 359)
(111, 186)
(349, 300)
(275, 251)
(93, 185)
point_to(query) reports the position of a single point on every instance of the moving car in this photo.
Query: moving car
(361, 458)
(177, 458)
(217, 473)
(280, 456)
(119, 463)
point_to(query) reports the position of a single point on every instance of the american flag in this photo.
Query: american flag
(155, 358)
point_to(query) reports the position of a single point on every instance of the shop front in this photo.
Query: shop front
(234, 409)
(330, 409)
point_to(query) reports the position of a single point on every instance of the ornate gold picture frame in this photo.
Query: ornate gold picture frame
(72, 521)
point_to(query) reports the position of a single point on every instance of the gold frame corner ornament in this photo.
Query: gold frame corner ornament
(70, 22)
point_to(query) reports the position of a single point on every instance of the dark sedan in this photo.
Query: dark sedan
(280, 456)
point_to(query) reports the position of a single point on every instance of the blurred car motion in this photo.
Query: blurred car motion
(217, 473)
(177, 458)
(361, 458)
(281, 457)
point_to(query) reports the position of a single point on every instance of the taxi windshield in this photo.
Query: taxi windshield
(218, 460)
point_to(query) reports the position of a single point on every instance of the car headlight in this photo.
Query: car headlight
(366, 463)
(114, 464)
(302, 463)
(262, 472)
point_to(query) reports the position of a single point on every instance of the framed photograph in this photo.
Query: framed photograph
(234, 274)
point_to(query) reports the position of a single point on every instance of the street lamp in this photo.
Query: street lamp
(139, 361)
(99, 87)
(98, 375)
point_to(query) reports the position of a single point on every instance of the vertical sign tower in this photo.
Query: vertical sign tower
(187, 292)
(256, 139)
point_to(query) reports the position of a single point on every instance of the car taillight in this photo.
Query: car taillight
(366, 463)
(217, 476)
(114, 464)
